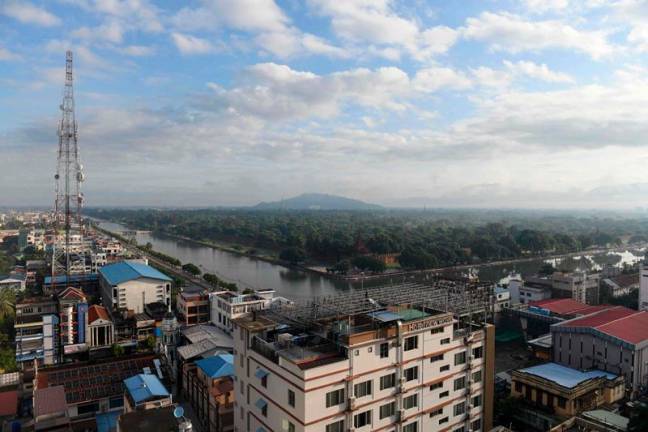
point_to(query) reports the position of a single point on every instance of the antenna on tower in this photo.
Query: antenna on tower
(68, 179)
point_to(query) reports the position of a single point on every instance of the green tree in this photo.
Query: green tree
(417, 258)
(293, 255)
(547, 269)
(117, 350)
(150, 342)
(369, 263)
(191, 268)
(7, 304)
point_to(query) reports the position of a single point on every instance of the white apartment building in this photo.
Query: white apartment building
(395, 368)
(643, 287)
(226, 306)
(132, 285)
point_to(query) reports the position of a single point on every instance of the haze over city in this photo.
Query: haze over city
(205, 103)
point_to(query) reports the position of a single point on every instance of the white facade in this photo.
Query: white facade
(135, 294)
(228, 305)
(418, 376)
(643, 287)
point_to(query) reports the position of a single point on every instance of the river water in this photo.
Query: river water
(295, 284)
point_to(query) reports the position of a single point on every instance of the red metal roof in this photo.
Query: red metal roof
(8, 403)
(601, 317)
(49, 400)
(567, 306)
(632, 328)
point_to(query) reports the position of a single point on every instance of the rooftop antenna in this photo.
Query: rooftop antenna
(68, 179)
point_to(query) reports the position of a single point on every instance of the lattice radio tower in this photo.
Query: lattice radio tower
(68, 179)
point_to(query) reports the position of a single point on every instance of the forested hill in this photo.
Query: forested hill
(423, 238)
(317, 201)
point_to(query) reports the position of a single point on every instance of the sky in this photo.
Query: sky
(489, 103)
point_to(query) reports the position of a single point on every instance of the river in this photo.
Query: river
(253, 273)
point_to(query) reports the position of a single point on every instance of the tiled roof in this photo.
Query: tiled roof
(49, 400)
(601, 317)
(8, 403)
(96, 312)
(124, 271)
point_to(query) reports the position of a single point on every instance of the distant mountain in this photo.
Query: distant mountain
(317, 201)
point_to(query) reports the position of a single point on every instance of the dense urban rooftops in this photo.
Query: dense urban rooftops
(567, 306)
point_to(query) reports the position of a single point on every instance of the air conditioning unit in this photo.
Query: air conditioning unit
(401, 415)
(471, 358)
(402, 381)
(352, 400)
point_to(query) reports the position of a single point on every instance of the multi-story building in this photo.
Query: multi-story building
(36, 329)
(562, 392)
(620, 285)
(614, 340)
(193, 307)
(531, 289)
(643, 287)
(228, 305)
(73, 312)
(580, 286)
(100, 332)
(132, 285)
(375, 361)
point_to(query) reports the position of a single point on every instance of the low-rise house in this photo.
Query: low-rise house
(132, 285)
(16, 282)
(100, 331)
(620, 285)
(566, 392)
(144, 392)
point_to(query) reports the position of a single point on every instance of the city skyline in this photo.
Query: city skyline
(499, 104)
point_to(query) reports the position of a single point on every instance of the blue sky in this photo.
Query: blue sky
(531, 103)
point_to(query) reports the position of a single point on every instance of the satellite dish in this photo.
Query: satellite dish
(178, 412)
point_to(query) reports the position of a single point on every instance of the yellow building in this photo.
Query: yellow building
(564, 391)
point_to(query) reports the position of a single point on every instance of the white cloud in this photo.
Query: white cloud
(512, 33)
(138, 50)
(436, 78)
(537, 71)
(26, 12)
(493, 78)
(111, 31)
(542, 6)
(139, 14)
(6, 55)
(189, 45)
(376, 23)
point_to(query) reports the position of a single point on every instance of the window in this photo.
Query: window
(384, 350)
(264, 410)
(443, 420)
(264, 380)
(411, 373)
(477, 401)
(411, 343)
(459, 429)
(477, 376)
(436, 330)
(460, 383)
(387, 410)
(562, 402)
(436, 413)
(291, 398)
(412, 427)
(459, 409)
(476, 425)
(478, 352)
(444, 394)
(336, 397)
(338, 426)
(444, 368)
(445, 341)
(291, 427)
(410, 401)
(362, 419)
(387, 381)
(436, 358)
(460, 358)
(436, 385)
(362, 389)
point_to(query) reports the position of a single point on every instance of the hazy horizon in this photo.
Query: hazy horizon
(498, 105)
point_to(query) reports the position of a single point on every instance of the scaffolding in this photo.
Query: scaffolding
(468, 301)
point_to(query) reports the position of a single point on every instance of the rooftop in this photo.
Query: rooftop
(124, 271)
(49, 400)
(205, 347)
(622, 323)
(144, 387)
(62, 279)
(86, 382)
(201, 332)
(96, 312)
(8, 403)
(567, 306)
(217, 366)
(564, 376)
(72, 293)
(159, 419)
(607, 418)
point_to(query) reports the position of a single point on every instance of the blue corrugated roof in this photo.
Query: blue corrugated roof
(564, 376)
(129, 270)
(107, 422)
(73, 278)
(217, 366)
(143, 387)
